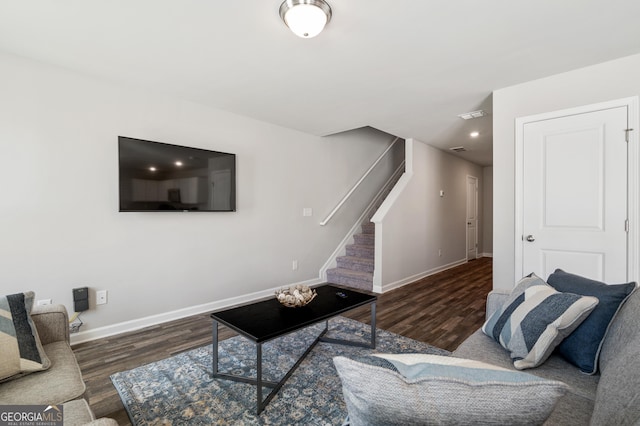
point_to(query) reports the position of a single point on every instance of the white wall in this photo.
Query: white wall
(416, 222)
(487, 211)
(603, 82)
(60, 227)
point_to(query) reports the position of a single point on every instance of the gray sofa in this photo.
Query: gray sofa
(60, 384)
(611, 397)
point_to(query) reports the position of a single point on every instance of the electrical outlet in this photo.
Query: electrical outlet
(294, 265)
(439, 252)
(307, 212)
(44, 302)
(101, 297)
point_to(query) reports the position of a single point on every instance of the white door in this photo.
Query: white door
(472, 217)
(574, 195)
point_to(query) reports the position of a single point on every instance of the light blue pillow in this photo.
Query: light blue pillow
(415, 389)
(582, 347)
(535, 319)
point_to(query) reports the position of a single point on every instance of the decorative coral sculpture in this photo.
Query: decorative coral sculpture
(296, 296)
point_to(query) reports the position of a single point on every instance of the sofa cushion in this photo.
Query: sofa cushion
(483, 348)
(535, 319)
(430, 389)
(20, 348)
(60, 383)
(574, 408)
(582, 347)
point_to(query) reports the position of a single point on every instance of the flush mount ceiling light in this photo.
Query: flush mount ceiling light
(306, 18)
(474, 134)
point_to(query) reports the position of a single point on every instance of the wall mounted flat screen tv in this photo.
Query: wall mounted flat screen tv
(159, 177)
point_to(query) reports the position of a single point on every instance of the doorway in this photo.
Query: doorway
(574, 192)
(472, 218)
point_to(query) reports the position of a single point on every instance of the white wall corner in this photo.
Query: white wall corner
(378, 217)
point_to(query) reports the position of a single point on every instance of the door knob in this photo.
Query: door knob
(530, 238)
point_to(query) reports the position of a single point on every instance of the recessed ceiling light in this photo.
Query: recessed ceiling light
(152, 169)
(474, 134)
(473, 114)
(178, 163)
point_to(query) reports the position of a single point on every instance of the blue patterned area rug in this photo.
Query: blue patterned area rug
(180, 391)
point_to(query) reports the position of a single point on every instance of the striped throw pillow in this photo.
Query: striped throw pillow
(20, 349)
(535, 319)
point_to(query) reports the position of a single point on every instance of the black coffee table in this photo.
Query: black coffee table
(268, 319)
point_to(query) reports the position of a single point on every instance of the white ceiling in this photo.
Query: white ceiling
(407, 67)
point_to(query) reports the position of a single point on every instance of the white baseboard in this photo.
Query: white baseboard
(486, 255)
(413, 278)
(137, 324)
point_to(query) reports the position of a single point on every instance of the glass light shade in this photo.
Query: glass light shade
(306, 20)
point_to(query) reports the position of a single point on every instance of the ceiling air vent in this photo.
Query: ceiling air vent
(458, 149)
(473, 114)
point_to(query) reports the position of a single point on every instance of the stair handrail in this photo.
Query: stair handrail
(357, 184)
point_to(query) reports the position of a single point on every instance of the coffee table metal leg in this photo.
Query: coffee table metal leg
(259, 377)
(372, 342)
(373, 325)
(259, 381)
(215, 349)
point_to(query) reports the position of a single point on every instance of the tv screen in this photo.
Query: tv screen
(157, 176)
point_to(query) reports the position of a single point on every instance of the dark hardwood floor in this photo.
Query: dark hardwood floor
(442, 310)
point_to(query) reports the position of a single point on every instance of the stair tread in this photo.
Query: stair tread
(369, 227)
(360, 251)
(350, 272)
(358, 259)
(364, 235)
(357, 245)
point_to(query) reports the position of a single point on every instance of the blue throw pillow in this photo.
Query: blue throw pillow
(582, 347)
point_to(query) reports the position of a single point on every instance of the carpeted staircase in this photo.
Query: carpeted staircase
(355, 269)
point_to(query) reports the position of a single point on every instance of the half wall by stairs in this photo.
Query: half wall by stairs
(355, 268)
